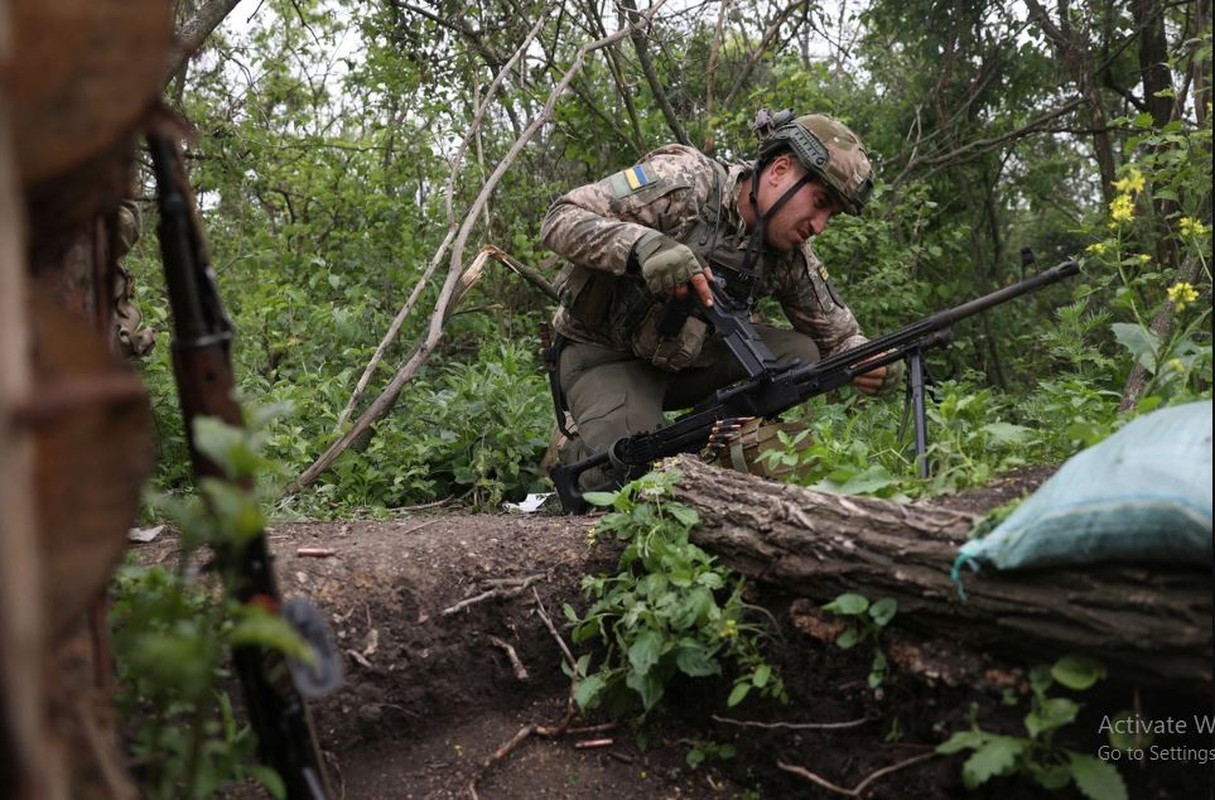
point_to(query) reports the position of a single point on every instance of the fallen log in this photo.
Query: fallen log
(1149, 624)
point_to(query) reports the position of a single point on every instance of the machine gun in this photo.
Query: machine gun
(274, 685)
(772, 388)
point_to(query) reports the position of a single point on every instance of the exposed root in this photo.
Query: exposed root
(549, 731)
(515, 662)
(792, 726)
(858, 790)
(503, 588)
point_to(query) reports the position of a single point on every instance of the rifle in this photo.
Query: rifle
(273, 685)
(771, 388)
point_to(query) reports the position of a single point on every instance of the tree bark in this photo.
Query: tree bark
(1148, 624)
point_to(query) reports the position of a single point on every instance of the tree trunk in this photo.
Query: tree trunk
(1149, 624)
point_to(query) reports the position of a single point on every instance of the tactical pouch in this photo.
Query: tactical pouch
(671, 353)
(587, 293)
(676, 352)
(631, 305)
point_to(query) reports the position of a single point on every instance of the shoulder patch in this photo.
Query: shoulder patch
(628, 181)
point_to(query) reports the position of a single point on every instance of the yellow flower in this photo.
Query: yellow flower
(1096, 247)
(1132, 183)
(1122, 208)
(592, 534)
(1191, 227)
(1176, 365)
(1144, 258)
(1182, 294)
(729, 630)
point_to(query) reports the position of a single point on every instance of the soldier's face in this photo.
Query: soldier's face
(802, 216)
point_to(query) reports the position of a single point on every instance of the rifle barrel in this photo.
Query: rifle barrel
(944, 319)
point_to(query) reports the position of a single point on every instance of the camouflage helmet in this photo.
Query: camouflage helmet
(825, 147)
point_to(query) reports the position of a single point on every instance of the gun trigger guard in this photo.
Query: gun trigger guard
(614, 460)
(324, 675)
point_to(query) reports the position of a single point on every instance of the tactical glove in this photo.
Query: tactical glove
(664, 262)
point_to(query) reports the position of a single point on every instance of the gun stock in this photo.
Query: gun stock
(776, 388)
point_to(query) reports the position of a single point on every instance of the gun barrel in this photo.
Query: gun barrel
(941, 320)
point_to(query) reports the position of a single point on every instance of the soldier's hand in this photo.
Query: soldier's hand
(871, 382)
(666, 264)
(701, 286)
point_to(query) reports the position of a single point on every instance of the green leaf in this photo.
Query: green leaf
(237, 515)
(649, 686)
(848, 603)
(586, 693)
(1053, 776)
(600, 498)
(686, 516)
(697, 661)
(1096, 779)
(963, 740)
(736, 696)
(763, 673)
(1007, 433)
(645, 651)
(871, 480)
(1077, 672)
(997, 756)
(1142, 343)
(849, 638)
(1051, 713)
(255, 626)
(226, 445)
(883, 611)
(1123, 736)
(269, 779)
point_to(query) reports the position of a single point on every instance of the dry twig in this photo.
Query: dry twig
(793, 726)
(860, 787)
(457, 240)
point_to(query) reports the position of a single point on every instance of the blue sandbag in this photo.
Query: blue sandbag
(1143, 494)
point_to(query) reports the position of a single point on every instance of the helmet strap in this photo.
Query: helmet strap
(749, 271)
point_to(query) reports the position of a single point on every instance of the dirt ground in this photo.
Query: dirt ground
(454, 686)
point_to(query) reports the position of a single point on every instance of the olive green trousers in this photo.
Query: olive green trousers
(611, 394)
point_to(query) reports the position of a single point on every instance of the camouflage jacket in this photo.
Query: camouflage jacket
(691, 198)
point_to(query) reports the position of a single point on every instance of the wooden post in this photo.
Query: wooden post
(29, 767)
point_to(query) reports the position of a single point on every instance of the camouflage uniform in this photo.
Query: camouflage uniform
(616, 373)
(134, 340)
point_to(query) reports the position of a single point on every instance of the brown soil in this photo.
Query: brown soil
(432, 706)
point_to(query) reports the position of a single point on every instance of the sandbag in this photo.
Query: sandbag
(1143, 494)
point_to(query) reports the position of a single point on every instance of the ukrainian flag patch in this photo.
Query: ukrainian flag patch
(631, 180)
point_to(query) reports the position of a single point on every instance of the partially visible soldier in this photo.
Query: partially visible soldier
(660, 229)
(134, 341)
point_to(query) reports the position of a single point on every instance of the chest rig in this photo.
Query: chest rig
(726, 251)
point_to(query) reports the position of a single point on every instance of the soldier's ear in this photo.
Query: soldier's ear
(780, 165)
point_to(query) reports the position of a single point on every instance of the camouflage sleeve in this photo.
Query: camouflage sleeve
(596, 225)
(813, 307)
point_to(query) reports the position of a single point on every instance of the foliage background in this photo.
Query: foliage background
(340, 144)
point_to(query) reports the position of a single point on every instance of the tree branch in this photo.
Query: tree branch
(651, 75)
(194, 32)
(384, 403)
